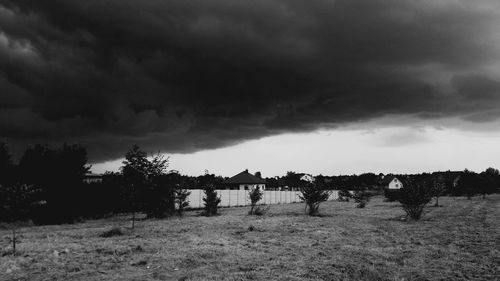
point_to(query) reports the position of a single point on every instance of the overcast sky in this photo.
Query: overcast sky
(328, 86)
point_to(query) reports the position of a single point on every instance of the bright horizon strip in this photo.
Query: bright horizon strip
(396, 149)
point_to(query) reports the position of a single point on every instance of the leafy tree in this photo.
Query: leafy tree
(211, 200)
(438, 188)
(181, 197)
(313, 196)
(469, 183)
(391, 194)
(361, 197)
(146, 188)
(344, 195)
(59, 174)
(255, 196)
(293, 180)
(414, 196)
(491, 181)
(6, 165)
(16, 204)
(135, 176)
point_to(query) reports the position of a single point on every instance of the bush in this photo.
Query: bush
(362, 198)
(392, 195)
(313, 196)
(414, 197)
(115, 231)
(344, 195)
(255, 195)
(211, 200)
(181, 199)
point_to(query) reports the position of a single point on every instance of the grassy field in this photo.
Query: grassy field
(458, 241)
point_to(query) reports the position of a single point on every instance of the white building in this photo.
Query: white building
(307, 177)
(394, 183)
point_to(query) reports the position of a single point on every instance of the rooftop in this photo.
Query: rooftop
(244, 178)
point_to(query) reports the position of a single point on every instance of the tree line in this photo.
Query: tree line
(47, 186)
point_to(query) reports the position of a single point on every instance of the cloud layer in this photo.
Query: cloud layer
(182, 76)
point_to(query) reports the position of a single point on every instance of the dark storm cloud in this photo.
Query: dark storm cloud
(180, 76)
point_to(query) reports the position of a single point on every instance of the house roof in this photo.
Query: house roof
(388, 179)
(244, 178)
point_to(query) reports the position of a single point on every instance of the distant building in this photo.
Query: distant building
(245, 181)
(92, 178)
(392, 183)
(307, 178)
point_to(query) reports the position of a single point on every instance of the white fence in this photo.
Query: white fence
(230, 198)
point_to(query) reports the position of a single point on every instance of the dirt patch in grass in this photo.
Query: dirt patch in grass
(458, 241)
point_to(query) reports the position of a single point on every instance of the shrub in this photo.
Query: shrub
(391, 194)
(344, 195)
(438, 189)
(115, 231)
(414, 197)
(361, 197)
(211, 200)
(255, 195)
(181, 199)
(313, 196)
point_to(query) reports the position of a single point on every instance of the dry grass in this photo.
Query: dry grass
(459, 241)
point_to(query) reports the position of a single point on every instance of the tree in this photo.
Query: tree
(361, 197)
(469, 183)
(344, 195)
(255, 196)
(414, 196)
(181, 197)
(211, 200)
(16, 204)
(135, 177)
(491, 181)
(438, 188)
(6, 166)
(147, 190)
(59, 174)
(313, 196)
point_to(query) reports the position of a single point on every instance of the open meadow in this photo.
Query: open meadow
(458, 241)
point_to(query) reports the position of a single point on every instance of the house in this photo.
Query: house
(245, 181)
(392, 183)
(92, 178)
(307, 178)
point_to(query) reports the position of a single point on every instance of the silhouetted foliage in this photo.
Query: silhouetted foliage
(58, 173)
(361, 197)
(255, 196)
(469, 184)
(211, 200)
(6, 166)
(181, 198)
(438, 188)
(491, 181)
(391, 194)
(344, 195)
(147, 188)
(414, 196)
(313, 196)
